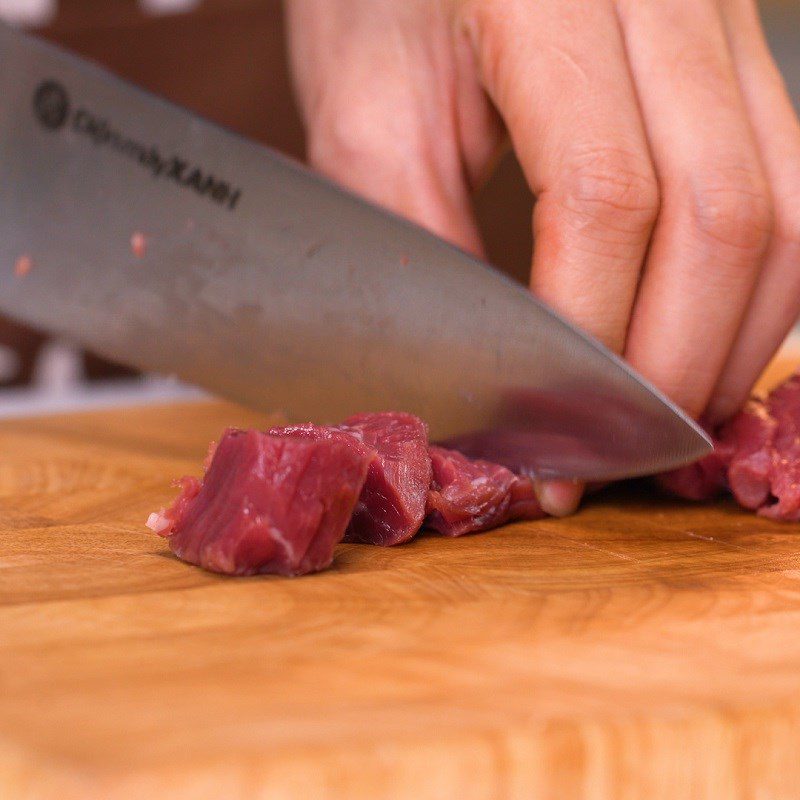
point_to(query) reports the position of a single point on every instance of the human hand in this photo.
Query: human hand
(657, 137)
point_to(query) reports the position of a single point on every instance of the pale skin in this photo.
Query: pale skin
(656, 135)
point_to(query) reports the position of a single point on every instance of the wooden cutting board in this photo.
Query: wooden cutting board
(645, 648)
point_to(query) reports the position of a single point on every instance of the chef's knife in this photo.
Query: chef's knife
(162, 241)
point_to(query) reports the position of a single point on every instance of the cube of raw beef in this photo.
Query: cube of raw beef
(391, 508)
(701, 480)
(756, 457)
(467, 495)
(783, 501)
(276, 504)
(745, 445)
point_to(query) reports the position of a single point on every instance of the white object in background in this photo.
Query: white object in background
(59, 385)
(59, 368)
(28, 13)
(27, 402)
(162, 7)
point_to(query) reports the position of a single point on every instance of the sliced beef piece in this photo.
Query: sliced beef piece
(468, 495)
(391, 507)
(708, 477)
(267, 504)
(757, 458)
(745, 443)
(783, 405)
(392, 504)
(699, 481)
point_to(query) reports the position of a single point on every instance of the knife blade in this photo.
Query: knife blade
(160, 240)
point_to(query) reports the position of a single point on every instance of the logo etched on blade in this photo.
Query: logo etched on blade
(51, 105)
(53, 110)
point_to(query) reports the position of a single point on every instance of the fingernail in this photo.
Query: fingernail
(559, 498)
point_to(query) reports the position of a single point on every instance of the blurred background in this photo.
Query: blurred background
(225, 59)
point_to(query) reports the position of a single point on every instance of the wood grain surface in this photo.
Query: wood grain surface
(645, 648)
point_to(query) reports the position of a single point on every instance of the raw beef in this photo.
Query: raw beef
(280, 501)
(467, 496)
(700, 480)
(315, 433)
(745, 446)
(757, 458)
(391, 507)
(267, 504)
(392, 504)
(784, 407)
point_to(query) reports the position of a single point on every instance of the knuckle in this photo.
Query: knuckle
(338, 138)
(615, 188)
(734, 211)
(340, 134)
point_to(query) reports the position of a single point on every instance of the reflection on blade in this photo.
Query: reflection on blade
(557, 434)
